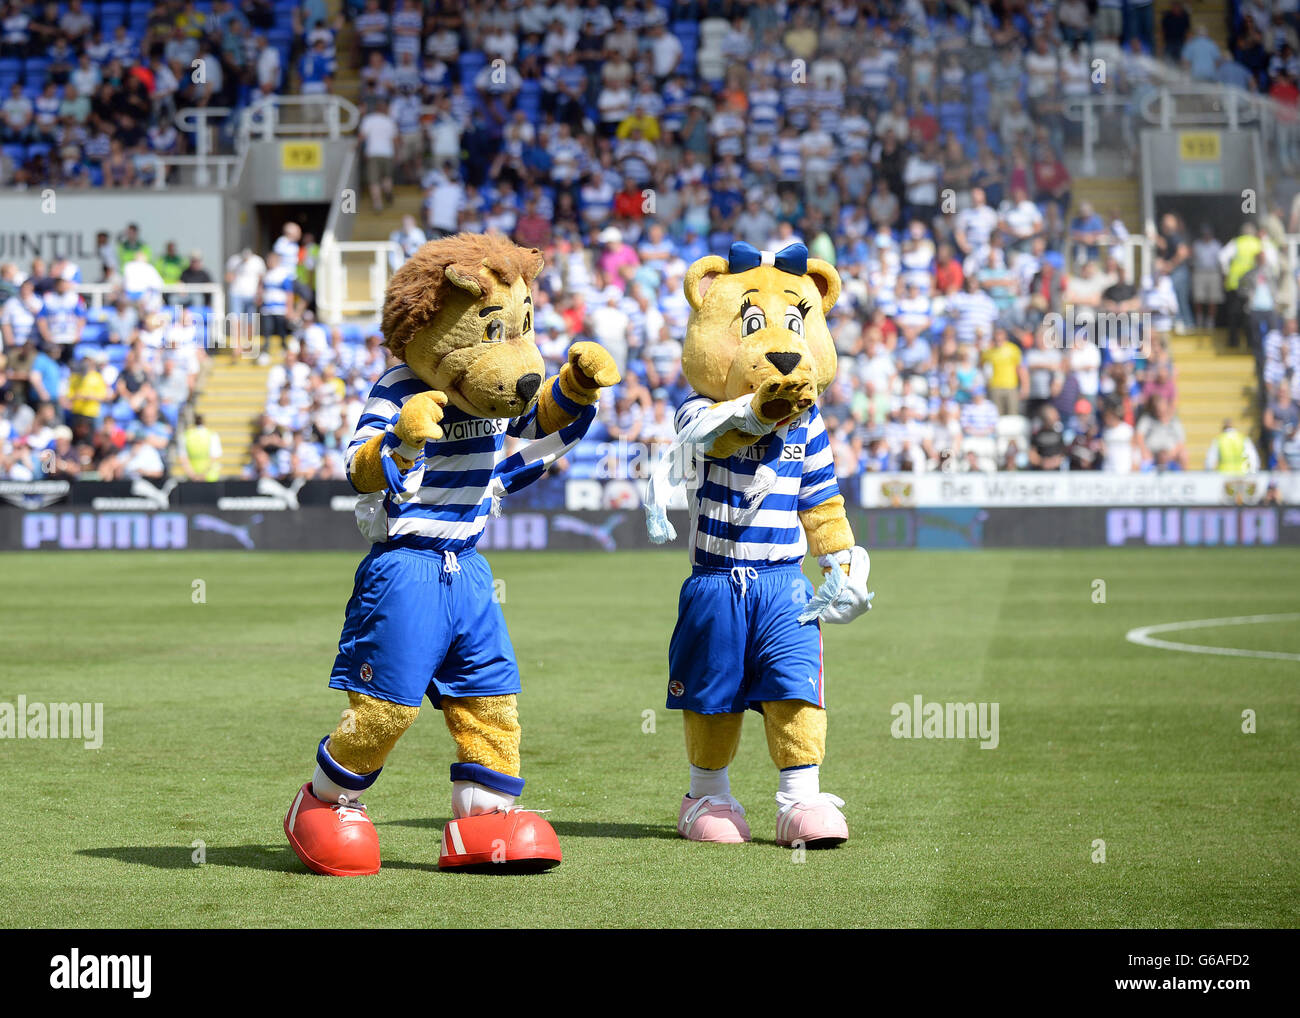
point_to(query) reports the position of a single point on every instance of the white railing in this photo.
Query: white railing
(1200, 104)
(330, 115)
(96, 293)
(334, 273)
(1088, 111)
(218, 172)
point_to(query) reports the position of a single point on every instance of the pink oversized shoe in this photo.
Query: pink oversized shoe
(815, 822)
(716, 818)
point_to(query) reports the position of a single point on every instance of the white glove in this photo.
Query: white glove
(854, 599)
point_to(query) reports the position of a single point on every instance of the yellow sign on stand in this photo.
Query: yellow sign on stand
(1199, 146)
(301, 155)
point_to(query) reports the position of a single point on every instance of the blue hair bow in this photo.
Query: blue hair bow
(793, 258)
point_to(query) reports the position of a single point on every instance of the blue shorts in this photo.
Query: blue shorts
(738, 641)
(414, 630)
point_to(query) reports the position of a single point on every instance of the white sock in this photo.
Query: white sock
(801, 782)
(469, 798)
(706, 782)
(327, 791)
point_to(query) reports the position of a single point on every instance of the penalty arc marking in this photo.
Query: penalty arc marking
(1143, 636)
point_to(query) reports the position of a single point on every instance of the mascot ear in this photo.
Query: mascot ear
(827, 281)
(701, 275)
(466, 280)
(537, 262)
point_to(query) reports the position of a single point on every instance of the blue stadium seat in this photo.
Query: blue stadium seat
(94, 332)
(952, 117)
(470, 64)
(34, 68)
(18, 153)
(110, 16)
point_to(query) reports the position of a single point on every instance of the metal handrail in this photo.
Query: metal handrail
(332, 277)
(338, 116)
(216, 292)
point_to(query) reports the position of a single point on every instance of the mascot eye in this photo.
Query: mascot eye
(794, 321)
(528, 321)
(496, 329)
(752, 319)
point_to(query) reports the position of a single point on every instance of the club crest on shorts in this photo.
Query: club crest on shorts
(367, 673)
(676, 688)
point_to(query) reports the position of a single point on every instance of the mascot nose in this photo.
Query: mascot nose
(527, 387)
(784, 362)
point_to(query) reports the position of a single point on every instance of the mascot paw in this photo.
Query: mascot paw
(592, 366)
(331, 838)
(780, 398)
(855, 598)
(716, 818)
(813, 823)
(504, 841)
(419, 419)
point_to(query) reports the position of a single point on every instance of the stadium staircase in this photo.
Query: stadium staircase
(233, 394)
(1210, 13)
(232, 398)
(1215, 382)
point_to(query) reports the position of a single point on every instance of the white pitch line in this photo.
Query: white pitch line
(1143, 636)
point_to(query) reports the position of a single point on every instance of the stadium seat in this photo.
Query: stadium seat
(34, 69)
(985, 450)
(1012, 428)
(110, 16)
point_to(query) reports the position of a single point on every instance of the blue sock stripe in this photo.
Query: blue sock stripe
(487, 777)
(341, 777)
(797, 767)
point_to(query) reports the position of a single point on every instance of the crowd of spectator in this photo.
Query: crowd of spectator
(918, 146)
(98, 393)
(90, 89)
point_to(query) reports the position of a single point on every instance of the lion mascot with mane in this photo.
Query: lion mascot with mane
(752, 452)
(429, 463)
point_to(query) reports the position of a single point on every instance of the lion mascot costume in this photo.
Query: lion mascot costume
(429, 462)
(752, 452)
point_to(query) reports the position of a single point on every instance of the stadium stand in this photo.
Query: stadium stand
(924, 149)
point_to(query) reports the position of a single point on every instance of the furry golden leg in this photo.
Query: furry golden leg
(486, 730)
(712, 739)
(796, 732)
(367, 732)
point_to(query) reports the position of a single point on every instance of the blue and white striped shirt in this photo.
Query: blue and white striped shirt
(725, 530)
(448, 509)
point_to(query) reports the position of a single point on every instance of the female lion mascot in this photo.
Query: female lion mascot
(428, 459)
(761, 492)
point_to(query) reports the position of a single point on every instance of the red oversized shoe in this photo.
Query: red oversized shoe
(331, 838)
(511, 841)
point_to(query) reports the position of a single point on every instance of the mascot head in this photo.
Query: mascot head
(459, 312)
(757, 316)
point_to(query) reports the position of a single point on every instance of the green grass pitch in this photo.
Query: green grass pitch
(212, 712)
